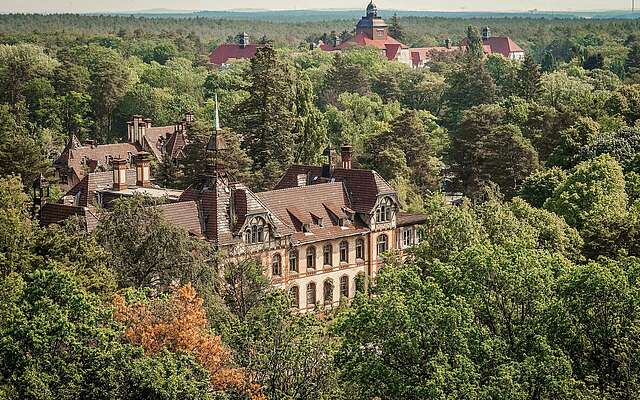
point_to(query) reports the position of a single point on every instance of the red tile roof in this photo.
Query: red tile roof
(390, 45)
(183, 214)
(498, 44)
(72, 156)
(502, 45)
(53, 213)
(230, 51)
(298, 205)
(406, 219)
(363, 186)
(420, 54)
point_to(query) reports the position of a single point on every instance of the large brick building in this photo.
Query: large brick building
(316, 233)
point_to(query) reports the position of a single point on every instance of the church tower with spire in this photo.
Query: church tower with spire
(372, 25)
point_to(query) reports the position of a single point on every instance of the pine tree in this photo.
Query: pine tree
(310, 129)
(632, 63)
(548, 61)
(474, 42)
(396, 30)
(266, 120)
(528, 80)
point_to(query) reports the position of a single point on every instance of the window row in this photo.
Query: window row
(382, 246)
(327, 292)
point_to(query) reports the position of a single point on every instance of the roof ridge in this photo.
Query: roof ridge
(299, 187)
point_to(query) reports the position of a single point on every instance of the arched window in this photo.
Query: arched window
(344, 251)
(311, 257)
(360, 249)
(294, 294)
(311, 294)
(344, 286)
(276, 265)
(383, 244)
(328, 292)
(255, 233)
(293, 261)
(327, 255)
(384, 210)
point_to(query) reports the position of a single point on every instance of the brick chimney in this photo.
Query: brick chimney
(189, 117)
(327, 169)
(143, 169)
(347, 155)
(119, 173)
(136, 129)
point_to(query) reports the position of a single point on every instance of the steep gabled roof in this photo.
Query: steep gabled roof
(502, 45)
(390, 45)
(184, 214)
(303, 204)
(86, 189)
(72, 156)
(363, 186)
(230, 51)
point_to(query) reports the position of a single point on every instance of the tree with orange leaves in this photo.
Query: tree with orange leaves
(178, 323)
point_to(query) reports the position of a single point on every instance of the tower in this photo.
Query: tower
(215, 145)
(372, 25)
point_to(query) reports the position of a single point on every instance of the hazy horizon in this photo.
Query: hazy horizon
(78, 6)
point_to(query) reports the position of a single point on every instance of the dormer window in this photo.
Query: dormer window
(384, 210)
(306, 228)
(255, 232)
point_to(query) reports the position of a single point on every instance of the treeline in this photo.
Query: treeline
(533, 34)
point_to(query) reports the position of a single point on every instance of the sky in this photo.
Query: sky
(81, 6)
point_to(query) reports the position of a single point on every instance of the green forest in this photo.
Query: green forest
(530, 289)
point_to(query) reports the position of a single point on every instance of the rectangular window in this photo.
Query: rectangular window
(407, 237)
(360, 249)
(327, 256)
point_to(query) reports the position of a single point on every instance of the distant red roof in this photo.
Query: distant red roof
(390, 45)
(498, 45)
(231, 51)
(419, 54)
(502, 45)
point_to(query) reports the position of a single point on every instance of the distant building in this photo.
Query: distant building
(502, 45)
(229, 52)
(78, 159)
(422, 56)
(372, 31)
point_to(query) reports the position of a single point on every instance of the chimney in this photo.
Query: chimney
(137, 125)
(143, 169)
(486, 33)
(335, 40)
(189, 117)
(142, 130)
(147, 122)
(327, 169)
(347, 155)
(119, 166)
(130, 131)
(447, 43)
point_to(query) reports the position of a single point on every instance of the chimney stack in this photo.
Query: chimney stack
(327, 169)
(143, 169)
(189, 117)
(447, 43)
(119, 173)
(347, 155)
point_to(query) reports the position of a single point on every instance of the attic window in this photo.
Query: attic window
(305, 228)
(341, 222)
(255, 232)
(383, 212)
